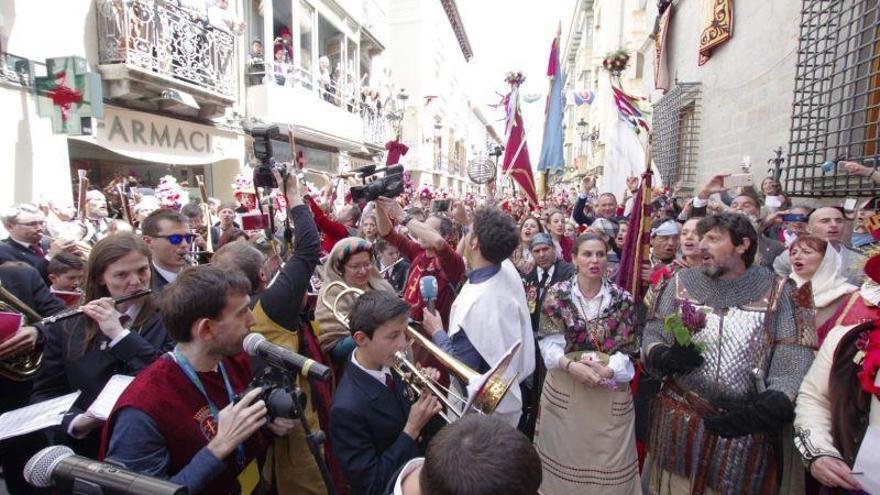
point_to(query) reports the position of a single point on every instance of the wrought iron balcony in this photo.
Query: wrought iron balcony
(143, 44)
(348, 101)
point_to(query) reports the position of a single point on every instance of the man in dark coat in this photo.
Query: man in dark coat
(549, 269)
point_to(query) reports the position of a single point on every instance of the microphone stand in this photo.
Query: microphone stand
(314, 439)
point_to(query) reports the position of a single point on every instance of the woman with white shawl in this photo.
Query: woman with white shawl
(817, 262)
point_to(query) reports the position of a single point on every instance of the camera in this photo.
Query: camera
(390, 185)
(279, 392)
(440, 206)
(263, 152)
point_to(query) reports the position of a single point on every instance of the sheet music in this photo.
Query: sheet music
(868, 461)
(102, 406)
(36, 416)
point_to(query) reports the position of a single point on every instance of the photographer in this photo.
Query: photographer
(178, 419)
(295, 468)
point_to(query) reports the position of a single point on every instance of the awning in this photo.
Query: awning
(158, 139)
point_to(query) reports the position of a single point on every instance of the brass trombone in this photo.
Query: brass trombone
(23, 366)
(490, 387)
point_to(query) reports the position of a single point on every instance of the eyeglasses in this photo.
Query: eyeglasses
(359, 267)
(35, 223)
(176, 239)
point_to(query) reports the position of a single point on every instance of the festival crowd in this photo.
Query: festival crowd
(659, 342)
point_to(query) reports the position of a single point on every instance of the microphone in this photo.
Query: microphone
(428, 290)
(257, 345)
(59, 467)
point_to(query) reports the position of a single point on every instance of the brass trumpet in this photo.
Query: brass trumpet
(490, 387)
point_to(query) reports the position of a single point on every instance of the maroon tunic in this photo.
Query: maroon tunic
(165, 394)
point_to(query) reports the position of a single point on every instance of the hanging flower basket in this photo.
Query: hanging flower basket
(514, 77)
(616, 62)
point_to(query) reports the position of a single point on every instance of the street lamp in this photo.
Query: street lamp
(438, 127)
(582, 129)
(399, 111)
(495, 154)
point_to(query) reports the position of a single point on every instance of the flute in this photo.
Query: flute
(78, 311)
(392, 265)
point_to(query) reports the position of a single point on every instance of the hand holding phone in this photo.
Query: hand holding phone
(738, 180)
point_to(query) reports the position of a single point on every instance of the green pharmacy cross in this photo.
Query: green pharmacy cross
(68, 93)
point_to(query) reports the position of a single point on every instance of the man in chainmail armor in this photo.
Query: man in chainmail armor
(716, 425)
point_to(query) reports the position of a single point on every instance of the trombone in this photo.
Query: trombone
(488, 389)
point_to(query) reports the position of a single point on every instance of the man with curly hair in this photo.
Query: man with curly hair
(490, 314)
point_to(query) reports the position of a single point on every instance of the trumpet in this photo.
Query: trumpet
(489, 388)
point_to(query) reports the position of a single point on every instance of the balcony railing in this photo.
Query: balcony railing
(167, 40)
(353, 98)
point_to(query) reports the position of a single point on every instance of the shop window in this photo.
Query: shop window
(836, 107)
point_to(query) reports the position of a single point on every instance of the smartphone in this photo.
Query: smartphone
(254, 221)
(849, 204)
(794, 217)
(738, 180)
(439, 206)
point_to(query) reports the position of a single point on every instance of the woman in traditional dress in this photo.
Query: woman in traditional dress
(586, 433)
(351, 262)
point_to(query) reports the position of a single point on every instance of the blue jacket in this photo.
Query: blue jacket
(366, 427)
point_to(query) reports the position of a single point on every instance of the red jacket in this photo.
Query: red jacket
(331, 231)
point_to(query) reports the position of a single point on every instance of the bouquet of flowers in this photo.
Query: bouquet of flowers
(685, 324)
(616, 62)
(170, 193)
(514, 77)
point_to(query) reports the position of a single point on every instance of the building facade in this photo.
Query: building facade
(597, 142)
(182, 82)
(430, 49)
(168, 80)
(735, 109)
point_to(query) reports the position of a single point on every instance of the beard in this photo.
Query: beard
(714, 271)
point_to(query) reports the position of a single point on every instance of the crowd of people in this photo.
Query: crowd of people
(747, 363)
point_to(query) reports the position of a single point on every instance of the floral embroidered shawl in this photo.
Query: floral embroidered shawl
(614, 330)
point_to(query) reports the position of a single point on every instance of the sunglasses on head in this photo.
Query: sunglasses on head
(176, 239)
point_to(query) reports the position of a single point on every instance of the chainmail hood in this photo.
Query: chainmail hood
(719, 293)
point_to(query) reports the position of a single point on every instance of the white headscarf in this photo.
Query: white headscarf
(828, 283)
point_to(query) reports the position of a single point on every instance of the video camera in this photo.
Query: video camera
(263, 152)
(390, 185)
(279, 392)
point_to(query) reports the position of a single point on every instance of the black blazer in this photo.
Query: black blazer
(157, 282)
(398, 275)
(366, 427)
(66, 368)
(25, 283)
(563, 271)
(13, 251)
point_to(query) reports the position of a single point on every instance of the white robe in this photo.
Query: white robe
(494, 315)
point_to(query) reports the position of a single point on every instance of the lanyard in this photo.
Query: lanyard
(194, 379)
